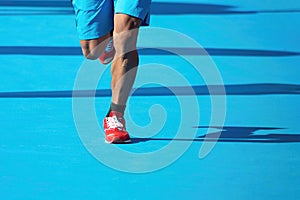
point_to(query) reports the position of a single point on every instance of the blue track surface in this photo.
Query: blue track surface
(253, 44)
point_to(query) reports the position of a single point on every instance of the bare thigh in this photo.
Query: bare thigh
(125, 33)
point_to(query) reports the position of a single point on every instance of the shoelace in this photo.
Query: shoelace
(113, 122)
(109, 46)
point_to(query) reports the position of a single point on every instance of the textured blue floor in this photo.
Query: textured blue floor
(255, 46)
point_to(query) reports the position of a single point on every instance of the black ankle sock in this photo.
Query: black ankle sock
(107, 115)
(116, 107)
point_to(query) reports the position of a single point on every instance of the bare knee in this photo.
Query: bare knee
(124, 42)
(92, 49)
(88, 54)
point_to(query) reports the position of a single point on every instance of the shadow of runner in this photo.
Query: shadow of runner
(234, 134)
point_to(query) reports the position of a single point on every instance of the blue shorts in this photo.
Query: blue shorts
(94, 18)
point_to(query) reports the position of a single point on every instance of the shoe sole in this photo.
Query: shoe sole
(107, 61)
(118, 141)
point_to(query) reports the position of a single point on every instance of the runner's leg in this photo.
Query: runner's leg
(124, 66)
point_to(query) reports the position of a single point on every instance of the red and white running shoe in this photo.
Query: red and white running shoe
(109, 53)
(115, 128)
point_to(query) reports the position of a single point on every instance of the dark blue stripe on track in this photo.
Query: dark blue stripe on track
(163, 51)
(157, 8)
(247, 89)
